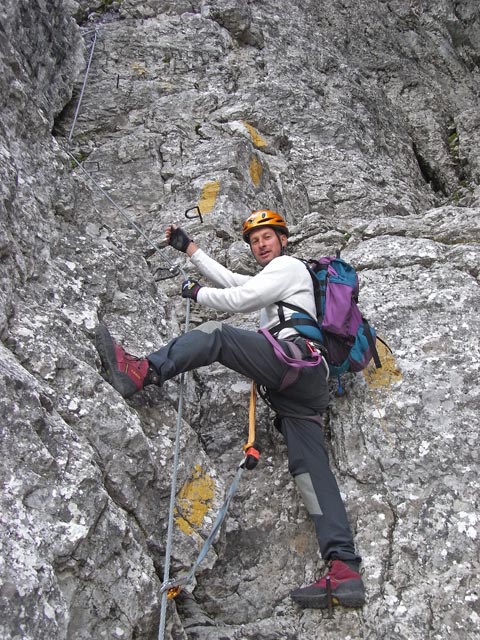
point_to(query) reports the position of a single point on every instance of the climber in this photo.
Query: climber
(298, 406)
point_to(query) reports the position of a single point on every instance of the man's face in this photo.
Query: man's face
(266, 245)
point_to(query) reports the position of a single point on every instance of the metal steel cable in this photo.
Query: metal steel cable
(173, 487)
(187, 578)
(127, 217)
(92, 49)
(173, 493)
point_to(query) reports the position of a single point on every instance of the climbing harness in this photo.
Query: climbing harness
(295, 362)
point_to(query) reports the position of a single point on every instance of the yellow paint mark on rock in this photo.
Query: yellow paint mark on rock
(257, 139)
(166, 86)
(388, 374)
(256, 170)
(138, 68)
(208, 196)
(194, 500)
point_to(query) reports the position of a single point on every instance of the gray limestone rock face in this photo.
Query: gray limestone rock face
(359, 122)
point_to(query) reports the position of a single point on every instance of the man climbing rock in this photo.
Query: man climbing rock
(298, 400)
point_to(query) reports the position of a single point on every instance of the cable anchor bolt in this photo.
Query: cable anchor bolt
(194, 212)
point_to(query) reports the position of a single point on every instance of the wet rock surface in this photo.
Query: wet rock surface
(359, 122)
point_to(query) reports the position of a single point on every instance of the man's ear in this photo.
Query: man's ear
(283, 240)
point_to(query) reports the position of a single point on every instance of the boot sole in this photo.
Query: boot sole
(106, 350)
(320, 600)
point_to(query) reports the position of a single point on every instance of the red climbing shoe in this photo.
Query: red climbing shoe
(124, 372)
(340, 586)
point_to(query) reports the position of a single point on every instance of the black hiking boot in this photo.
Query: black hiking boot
(341, 585)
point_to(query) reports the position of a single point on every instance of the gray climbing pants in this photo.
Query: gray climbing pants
(250, 354)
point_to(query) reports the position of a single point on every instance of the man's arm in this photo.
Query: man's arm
(179, 240)
(284, 278)
(208, 267)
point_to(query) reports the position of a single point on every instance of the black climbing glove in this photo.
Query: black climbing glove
(179, 239)
(190, 289)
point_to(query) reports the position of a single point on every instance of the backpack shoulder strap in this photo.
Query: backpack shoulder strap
(307, 320)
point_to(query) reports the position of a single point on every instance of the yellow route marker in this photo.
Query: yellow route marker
(138, 68)
(208, 196)
(256, 170)
(257, 139)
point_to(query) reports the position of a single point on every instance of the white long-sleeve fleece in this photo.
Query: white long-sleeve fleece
(284, 278)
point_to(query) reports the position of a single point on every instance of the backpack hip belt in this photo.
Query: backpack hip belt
(296, 361)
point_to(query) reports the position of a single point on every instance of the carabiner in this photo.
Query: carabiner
(173, 271)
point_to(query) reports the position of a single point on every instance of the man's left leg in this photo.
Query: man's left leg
(309, 465)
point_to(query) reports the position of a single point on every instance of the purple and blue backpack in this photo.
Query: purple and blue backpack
(346, 336)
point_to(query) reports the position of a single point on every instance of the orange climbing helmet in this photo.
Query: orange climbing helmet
(263, 218)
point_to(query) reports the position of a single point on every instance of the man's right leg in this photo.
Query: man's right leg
(246, 352)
